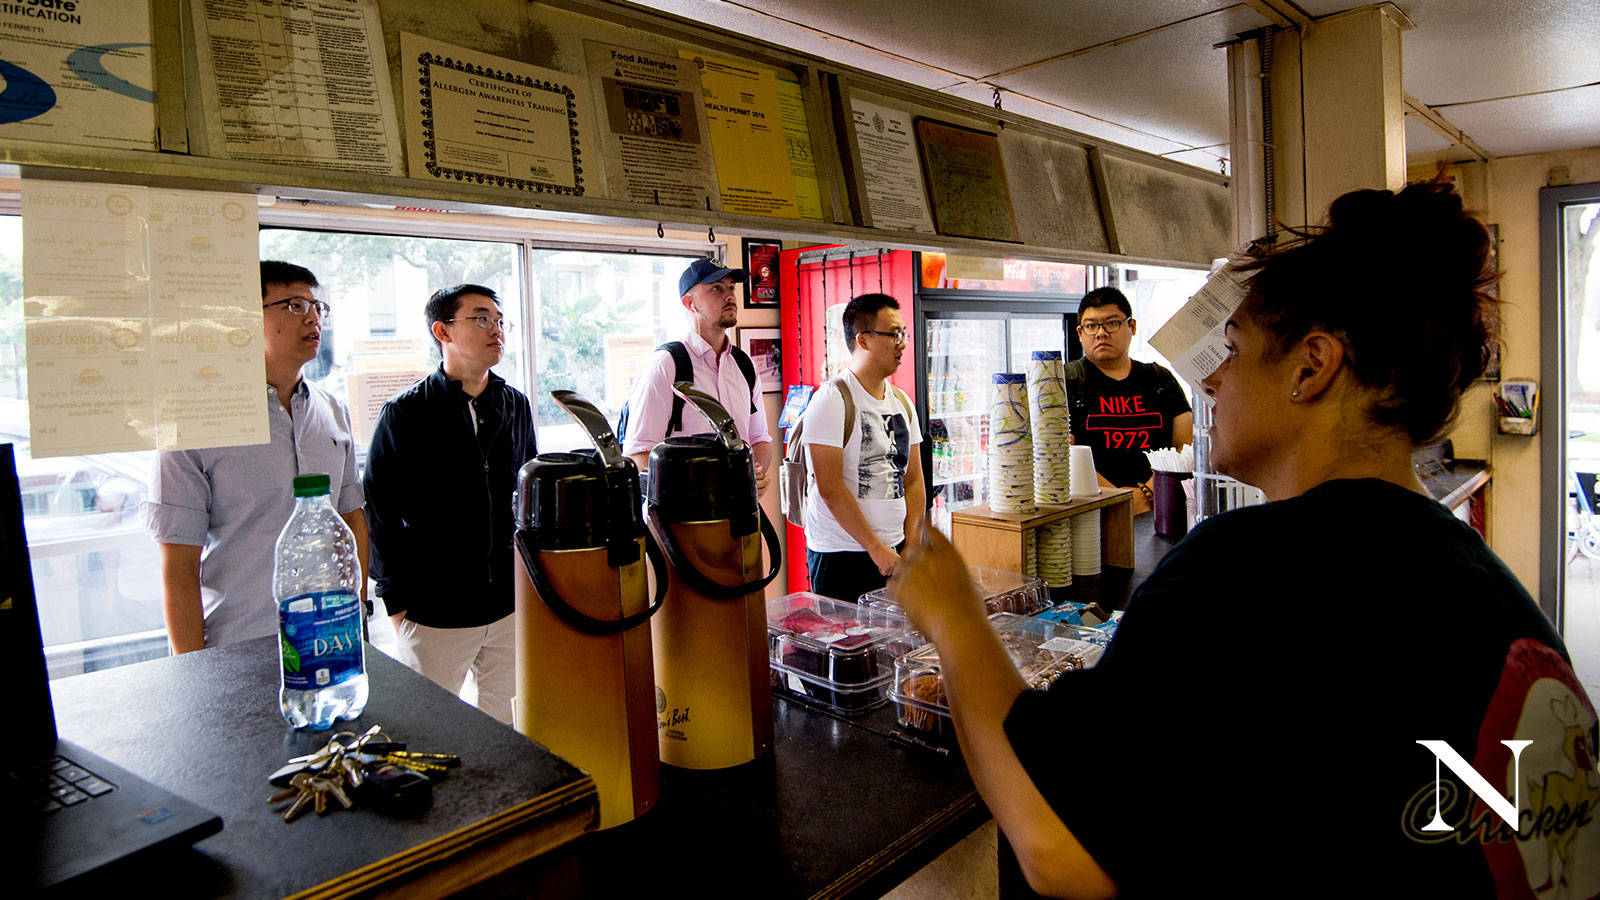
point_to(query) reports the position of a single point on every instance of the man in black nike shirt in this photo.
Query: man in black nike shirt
(1121, 407)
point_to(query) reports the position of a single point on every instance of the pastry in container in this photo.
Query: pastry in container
(1041, 650)
(832, 653)
(1001, 591)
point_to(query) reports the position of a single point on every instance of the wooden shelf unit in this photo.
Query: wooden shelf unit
(997, 539)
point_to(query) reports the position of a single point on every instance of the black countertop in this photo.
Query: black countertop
(839, 808)
(206, 726)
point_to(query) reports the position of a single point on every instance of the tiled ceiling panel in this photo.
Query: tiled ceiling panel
(1481, 49)
(1172, 83)
(1565, 120)
(1422, 139)
(977, 39)
(1165, 92)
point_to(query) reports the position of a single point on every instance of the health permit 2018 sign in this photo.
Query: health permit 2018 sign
(481, 119)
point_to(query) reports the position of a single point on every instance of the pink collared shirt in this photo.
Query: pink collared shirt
(650, 405)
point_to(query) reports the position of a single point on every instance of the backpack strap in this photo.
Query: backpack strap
(905, 402)
(683, 370)
(748, 367)
(796, 442)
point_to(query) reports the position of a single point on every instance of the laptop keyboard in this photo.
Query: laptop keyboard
(61, 783)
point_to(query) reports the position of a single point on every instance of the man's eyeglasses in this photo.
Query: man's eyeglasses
(1109, 326)
(484, 322)
(898, 335)
(299, 306)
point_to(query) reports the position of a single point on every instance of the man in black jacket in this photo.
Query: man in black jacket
(441, 471)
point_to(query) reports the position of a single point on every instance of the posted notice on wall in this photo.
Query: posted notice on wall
(77, 73)
(303, 82)
(143, 318)
(652, 128)
(745, 118)
(1193, 339)
(379, 369)
(480, 119)
(890, 167)
(797, 140)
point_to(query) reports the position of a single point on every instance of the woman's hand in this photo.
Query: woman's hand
(933, 585)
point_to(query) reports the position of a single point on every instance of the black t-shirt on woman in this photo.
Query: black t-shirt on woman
(1252, 729)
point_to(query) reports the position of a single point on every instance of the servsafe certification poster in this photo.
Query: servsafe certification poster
(481, 119)
(890, 167)
(652, 128)
(77, 73)
(143, 319)
(745, 119)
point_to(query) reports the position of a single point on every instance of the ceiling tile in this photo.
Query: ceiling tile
(1210, 159)
(1013, 32)
(1481, 49)
(1173, 83)
(1422, 139)
(1563, 120)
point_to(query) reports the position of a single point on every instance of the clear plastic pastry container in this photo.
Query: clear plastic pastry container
(1001, 592)
(833, 653)
(1041, 651)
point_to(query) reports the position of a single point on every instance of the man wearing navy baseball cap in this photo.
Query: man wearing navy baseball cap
(705, 356)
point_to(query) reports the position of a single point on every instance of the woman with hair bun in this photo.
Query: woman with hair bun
(1260, 712)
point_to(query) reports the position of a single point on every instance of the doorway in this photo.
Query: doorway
(1570, 274)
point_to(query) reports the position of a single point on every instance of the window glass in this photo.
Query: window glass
(376, 342)
(96, 573)
(1156, 293)
(598, 318)
(1015, 276)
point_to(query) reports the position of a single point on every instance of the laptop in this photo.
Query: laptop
(77, 812)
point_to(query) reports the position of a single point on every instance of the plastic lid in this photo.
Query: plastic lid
(310, 485)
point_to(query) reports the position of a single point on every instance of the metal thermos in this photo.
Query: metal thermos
(713, 687)
(585, 680)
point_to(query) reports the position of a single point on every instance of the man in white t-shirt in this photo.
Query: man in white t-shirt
(866, 494)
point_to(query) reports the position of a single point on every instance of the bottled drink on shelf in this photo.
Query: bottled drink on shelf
(316, 582)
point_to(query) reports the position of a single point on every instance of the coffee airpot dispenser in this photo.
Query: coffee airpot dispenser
(713, 686)
(585, 678)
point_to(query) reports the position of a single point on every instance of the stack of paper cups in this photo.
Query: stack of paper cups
(1052, 428)
(1084, 484)
(1055, 553)
(1010, 447)
(1030, 553)
(1086, 544)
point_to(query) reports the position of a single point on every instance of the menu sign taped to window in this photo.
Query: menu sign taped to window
(143, 318)
(1193, 338)
(652, 132)
(78, 74)
(480, 119)
(745, 119)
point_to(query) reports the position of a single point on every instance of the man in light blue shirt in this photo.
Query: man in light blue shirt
(216, 513)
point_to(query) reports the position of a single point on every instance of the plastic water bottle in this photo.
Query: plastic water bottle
(316, 582)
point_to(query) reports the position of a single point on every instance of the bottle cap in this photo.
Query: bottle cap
(310, 485)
